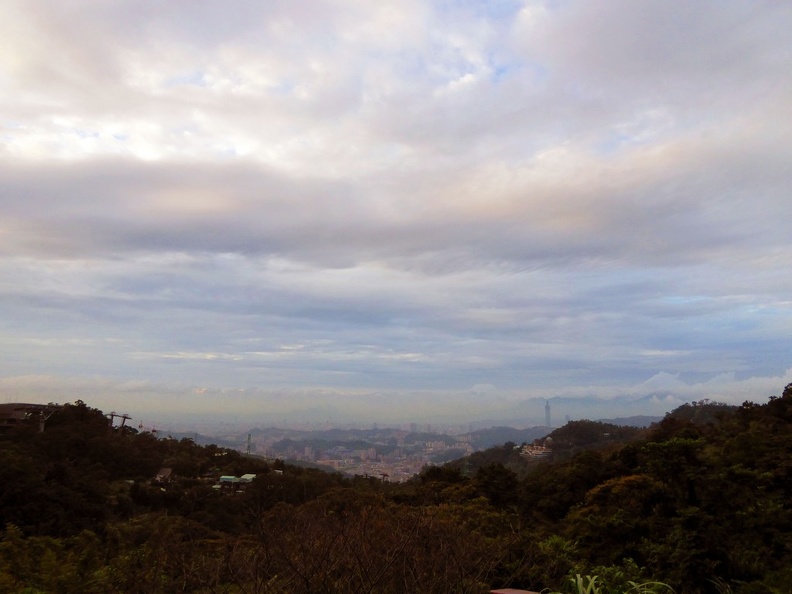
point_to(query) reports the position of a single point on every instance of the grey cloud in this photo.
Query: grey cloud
(673, 51)
(685, 216)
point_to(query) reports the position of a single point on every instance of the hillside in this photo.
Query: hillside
(702, 502)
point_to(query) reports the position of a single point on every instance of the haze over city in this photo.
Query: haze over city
(395, 211)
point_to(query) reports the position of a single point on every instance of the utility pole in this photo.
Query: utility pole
(112, 415)
(43, 416)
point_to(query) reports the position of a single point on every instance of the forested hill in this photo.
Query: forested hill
(703, 503)
(574, 437)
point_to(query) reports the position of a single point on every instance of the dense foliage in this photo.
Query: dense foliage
(701, 501)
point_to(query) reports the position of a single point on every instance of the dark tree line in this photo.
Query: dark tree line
(701, 501)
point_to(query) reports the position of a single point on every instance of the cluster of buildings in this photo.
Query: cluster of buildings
(537, 450)
(234, 482)
(396, 464)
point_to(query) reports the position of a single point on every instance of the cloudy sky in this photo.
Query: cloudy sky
(394, 210)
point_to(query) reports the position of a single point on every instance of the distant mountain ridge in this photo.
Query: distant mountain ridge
(487, 438)
(479, 438)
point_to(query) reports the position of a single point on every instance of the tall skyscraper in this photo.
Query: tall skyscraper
(547, 413)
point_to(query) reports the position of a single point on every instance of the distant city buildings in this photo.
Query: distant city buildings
(400, 461)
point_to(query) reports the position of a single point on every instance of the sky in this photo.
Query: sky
(395, 211)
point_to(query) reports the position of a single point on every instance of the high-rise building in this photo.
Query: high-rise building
(547, 413)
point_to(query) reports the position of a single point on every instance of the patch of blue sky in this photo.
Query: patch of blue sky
(615, 142)
(611, 145)
(195, 79)
(440, 64)
(85, 133)
(505, 69)
(502, 70)
(120, 137)
(490, 9)
(283, 87)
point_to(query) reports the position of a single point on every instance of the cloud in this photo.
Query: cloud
(423, 197)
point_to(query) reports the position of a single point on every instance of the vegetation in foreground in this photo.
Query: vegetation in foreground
(702, 502)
